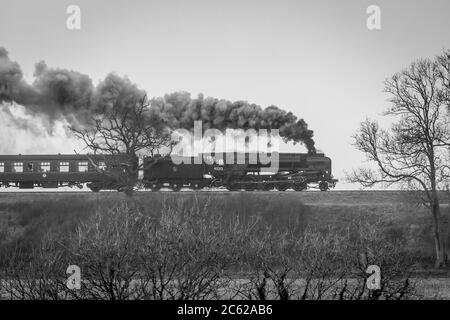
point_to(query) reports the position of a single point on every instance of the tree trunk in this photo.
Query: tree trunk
(437, 232)
(446, 227)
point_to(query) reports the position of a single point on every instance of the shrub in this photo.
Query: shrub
(193, 249)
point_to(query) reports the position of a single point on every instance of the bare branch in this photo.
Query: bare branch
(125, 130)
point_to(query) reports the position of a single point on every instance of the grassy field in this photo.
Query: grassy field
(26, 217)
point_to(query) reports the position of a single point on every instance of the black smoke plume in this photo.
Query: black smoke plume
(179, 110)
(62, 94)
(70, 95)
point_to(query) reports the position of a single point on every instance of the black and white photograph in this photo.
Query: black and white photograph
(224, 155)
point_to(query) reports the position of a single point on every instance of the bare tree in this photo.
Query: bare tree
(37, 274)
(444, 72)
(105, 247)
(194, 249)
(128, 130)
(443, 61)
(414, 151)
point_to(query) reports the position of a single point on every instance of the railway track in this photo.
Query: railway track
(334, 193)
(224, 192)
(200, 191)
(332, 199)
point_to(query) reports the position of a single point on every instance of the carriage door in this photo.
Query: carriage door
(29, 167)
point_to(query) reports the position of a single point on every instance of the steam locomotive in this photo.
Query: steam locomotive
(297, 171)
(241, 171)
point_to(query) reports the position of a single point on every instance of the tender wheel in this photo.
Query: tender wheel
(267, 186)
(176, 187)
(323, 186)
(233, 187)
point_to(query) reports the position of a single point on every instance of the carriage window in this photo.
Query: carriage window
(208, 159)
(83, 167)
(30, 166)
(18, 167)
(102, 165)
(63, 167)
(2, 167)
(45, 166)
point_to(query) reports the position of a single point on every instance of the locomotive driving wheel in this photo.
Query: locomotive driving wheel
(250, 184)
(176, 186)
(282, 187)
(300, 186)
(217, 183)
(250, 187)
(323, 186)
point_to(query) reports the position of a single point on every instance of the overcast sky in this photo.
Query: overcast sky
(314, 58)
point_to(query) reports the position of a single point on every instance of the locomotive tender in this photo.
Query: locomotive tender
(296, 171)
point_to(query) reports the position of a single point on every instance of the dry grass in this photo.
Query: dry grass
(25, 218)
